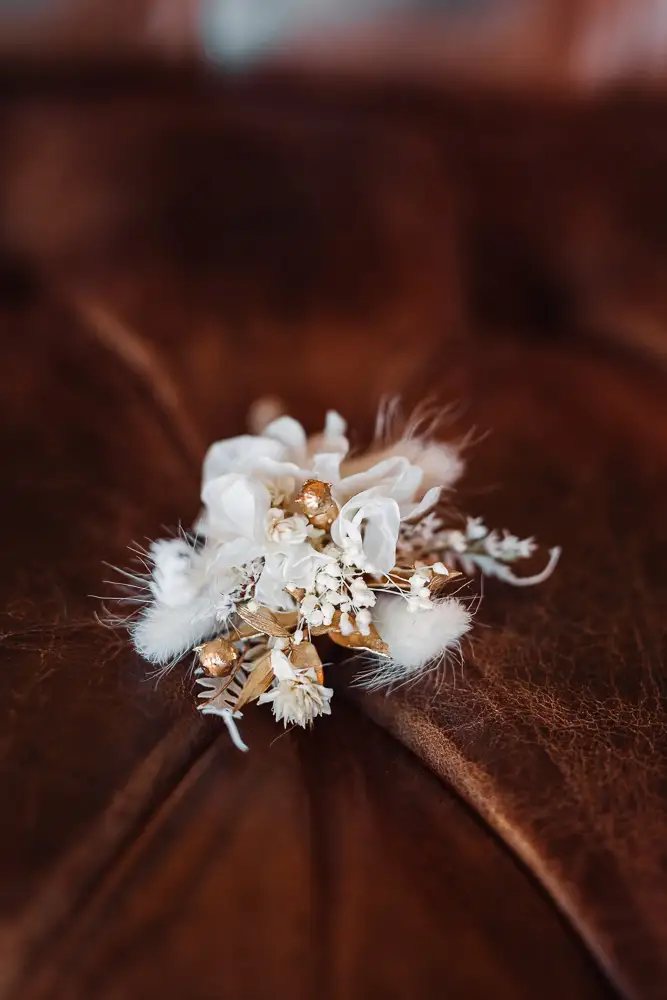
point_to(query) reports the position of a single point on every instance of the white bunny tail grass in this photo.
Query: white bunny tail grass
(163, 633)
(416, 639)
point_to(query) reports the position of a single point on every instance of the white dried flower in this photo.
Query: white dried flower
(419, 602)
(457, 541)
(346, 625)
(295, 698)
(361, 594)
(363, 620)
(476, 529)
(326, 582)
(328, 611)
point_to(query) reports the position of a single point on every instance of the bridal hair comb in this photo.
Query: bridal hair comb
(297, 539)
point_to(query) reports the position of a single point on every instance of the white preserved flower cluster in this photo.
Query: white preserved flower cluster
(477, 548)
(295, 539)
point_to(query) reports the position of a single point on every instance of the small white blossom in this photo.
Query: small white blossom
(362, 595)
(298, 699)
(476, 529)
(309, 604)
(363, 619)
(420, 602)
(419, 582)
(456, 541)
(346, 626)
(328, 611)
(325, 582)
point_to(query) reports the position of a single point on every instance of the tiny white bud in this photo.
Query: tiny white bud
(328, 611)
(363, 617)
(346, 626)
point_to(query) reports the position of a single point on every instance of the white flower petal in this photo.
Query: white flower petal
(236, 506)
(281, 666)
(290, 434)
(326, 466)
(382, 523)
(429, 500)
(393, 477)
(335, 426)
(240, 454)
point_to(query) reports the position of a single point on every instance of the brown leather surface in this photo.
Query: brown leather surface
(141, 855)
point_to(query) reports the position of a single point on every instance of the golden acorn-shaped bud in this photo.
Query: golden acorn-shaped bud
(218, 657)
(316, 503)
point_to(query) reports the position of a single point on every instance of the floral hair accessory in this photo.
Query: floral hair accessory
(296, 540)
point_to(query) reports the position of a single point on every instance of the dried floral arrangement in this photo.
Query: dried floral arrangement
(298, 539)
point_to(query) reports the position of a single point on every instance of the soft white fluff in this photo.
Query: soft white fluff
(415, 438)
(162, 634)
(415, 638)
(441, 464)
(189, 602)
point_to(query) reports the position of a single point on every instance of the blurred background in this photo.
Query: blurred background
(469, 164)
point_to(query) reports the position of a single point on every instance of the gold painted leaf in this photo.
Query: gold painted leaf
(325, 629)
(259, 679)
(223, 687)
(261, 621)
(439, 582)
(356, 640)
(400, 576)
(304, 656)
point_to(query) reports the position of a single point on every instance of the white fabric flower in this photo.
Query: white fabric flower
(282, 456)
(236, 512)
(296, 566)
(286, 529)
(245, 477)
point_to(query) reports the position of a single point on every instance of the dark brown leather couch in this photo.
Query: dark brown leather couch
(173, 249)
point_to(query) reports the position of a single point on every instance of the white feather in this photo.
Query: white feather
(415, 639)
(441, 464)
